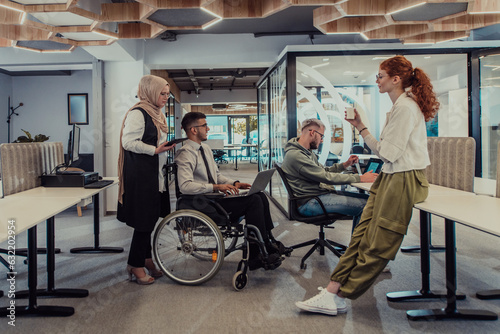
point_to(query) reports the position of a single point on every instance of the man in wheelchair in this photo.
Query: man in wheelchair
(198, 173)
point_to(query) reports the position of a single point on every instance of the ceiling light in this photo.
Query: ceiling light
(451, 39)
(104, 34)
(326, 59)
(381, 58)
(494, 78)
(320, 65)
(210, 12)
(304, 75)
(488, 12)
(212, 23)
(409, 7)
(12, 8)
(427, 57)
(27, 49)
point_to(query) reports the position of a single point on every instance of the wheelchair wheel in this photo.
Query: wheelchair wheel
(240, 280)
(188, 247)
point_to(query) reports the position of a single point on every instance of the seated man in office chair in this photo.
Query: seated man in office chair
(198, 173)
(307, 176)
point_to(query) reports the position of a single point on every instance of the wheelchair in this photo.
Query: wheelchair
(189, 245)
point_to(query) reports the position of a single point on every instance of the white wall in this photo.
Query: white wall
(121, 81)
(45, 107)
(5, 92)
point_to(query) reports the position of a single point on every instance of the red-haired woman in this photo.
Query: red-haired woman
(402, 183)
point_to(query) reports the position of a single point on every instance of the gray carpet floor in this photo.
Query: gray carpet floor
(267, 304)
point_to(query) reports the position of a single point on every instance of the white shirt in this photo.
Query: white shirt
(131, 141)
(403, 141)
(192, 174)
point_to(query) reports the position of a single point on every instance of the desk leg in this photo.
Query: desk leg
(51, 291)
(425, 269)
(488, 294)
(236, 161)
(416, 249)
(96, 248)
(32, 308)
(451, 311)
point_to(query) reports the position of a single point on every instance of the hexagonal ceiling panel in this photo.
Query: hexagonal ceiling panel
(70, 21)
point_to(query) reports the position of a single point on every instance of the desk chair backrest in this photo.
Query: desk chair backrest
(452, 162)
(293, 205)
(22, 164)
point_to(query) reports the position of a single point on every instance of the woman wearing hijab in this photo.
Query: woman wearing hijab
(143, 195)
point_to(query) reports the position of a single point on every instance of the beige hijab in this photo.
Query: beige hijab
(150, 87)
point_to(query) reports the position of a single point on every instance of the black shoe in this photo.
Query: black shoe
(255, 263)
(272, 262)
(279, 247)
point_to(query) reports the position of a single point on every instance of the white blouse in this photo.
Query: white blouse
(403, 141)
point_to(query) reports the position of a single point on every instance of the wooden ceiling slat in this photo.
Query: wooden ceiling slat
(8, 16)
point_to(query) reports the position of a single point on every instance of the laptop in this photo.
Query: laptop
(259, 184)
(373, 165)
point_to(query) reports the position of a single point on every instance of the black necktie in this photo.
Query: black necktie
(210, 178)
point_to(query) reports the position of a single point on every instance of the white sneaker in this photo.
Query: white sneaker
(323, 302)
(341, 305)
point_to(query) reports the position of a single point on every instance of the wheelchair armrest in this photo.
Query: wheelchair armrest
(212, 199)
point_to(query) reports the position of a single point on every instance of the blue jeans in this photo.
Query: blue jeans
(346, 203)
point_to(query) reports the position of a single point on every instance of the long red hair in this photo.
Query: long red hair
(420, 84)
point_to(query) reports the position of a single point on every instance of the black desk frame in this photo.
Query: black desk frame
(33, 308)
(425, 268)
(97, 248)
(51, 291)
(451, 311)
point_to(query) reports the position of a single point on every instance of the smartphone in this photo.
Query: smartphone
(349, 112)
(176, 141)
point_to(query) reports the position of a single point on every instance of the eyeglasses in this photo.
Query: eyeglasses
(200, 126)
(319, 133)
(379, 76)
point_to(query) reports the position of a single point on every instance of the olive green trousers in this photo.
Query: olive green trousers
(380, 231)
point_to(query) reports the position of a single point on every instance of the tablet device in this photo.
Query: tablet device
(373, 165)
(176, 141)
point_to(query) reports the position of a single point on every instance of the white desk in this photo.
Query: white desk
(81, 193)
(455, 206)
(237, 148)
(26, 217)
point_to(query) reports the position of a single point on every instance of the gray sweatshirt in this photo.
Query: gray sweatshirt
(305, 173)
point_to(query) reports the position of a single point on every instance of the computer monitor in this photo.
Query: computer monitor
(73, 145)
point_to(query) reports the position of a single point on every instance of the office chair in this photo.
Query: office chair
(323, 221)
(219, 157)
(357, 149)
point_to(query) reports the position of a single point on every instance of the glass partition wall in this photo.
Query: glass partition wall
(327, 82)
(489, 67)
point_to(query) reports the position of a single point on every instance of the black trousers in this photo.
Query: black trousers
(140, 249)
(255, 208)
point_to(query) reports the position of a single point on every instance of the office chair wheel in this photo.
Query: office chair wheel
(240, 280)
(188, 247)
(303, 266)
